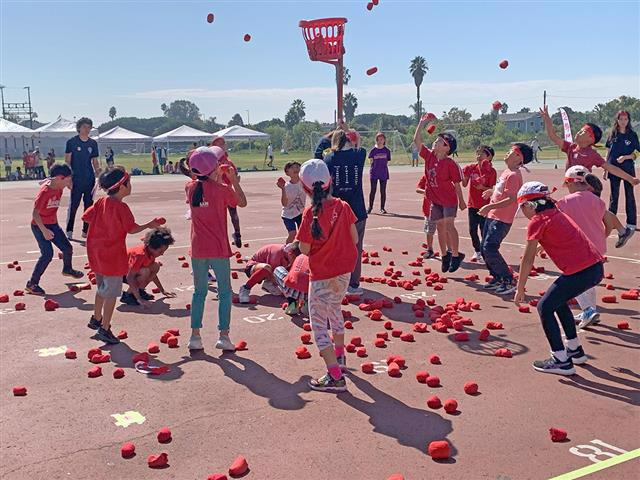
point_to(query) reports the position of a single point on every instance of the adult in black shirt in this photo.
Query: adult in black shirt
(621, 145)
(346, 163)
(81, 154)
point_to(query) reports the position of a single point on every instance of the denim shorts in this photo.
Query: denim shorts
(109, 287)
(292, 224)
(438, 212)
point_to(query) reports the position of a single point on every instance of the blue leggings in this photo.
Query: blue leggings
(222, 269)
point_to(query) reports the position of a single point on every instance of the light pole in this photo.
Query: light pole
(28, 89)
(2, 96)
(248, 119)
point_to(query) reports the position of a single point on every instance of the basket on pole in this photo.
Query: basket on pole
(324, 44)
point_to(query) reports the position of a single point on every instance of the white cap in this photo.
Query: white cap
(313, 171)
(532, 191)
(576, 174)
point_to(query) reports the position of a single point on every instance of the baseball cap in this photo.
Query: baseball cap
(450, 140)
(576, 174)
(532, 191)
(313, 171)
(204, 160)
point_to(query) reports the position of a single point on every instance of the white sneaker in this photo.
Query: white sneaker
(195, 343)
(477, 257)
(355, 291)
(270, 288)
(70, 235)
(224, 343)
(244, 295)
(589, 317)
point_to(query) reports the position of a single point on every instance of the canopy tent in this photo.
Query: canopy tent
(10, 129)
(61, 128)
(183, 133)
(119, 134)
(237, 132)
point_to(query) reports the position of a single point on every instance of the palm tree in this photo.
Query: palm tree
(350, 106)
(112, 112)
(346, 76)
(164, 108)
(418, 69)
(505, 108)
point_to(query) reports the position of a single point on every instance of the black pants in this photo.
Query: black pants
(629, 199)
(476, 221)
(46, 250)
(555, 303)
(235, 220)
(383, 193)
(79, 192)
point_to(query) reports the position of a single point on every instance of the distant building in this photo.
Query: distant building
(526, 122)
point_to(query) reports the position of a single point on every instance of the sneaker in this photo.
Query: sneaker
(244, 294)
(195, 343)
(128, 299)
(428, 254)
(589, 317)
(292, 309)
(94, 324)
(446, 262)
(70, 235)
(145, 295)
(34, 289)
(328, 384)
(553, 365)
(73, 273)
(369, 211)
(624, 237)
(492, 285)
(84, 234)
(355, 291)
(270, 288)
(342, 361)
(477, 257)
(237, 239)
(224, 343)
(455, 262)
(383, 211)
(506, 288)
(578, 318)
(107, 336)
(577, 356)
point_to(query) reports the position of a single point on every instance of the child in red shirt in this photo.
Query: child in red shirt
(262, 265)
(294, 285)
(429, 226)
(208, 198)
(110, 221)
(233, 211)
(46, 229)
(581, 267)
(480, 177)
(143, 268)
(329, 237)
(443, 189)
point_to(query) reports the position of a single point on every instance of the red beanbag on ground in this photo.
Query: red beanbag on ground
(19, 391)
(70, 354)
(557, 435)
(503, 352)
(609, 299)
(349, 347)
(305, 338)
(367, 367)
(302, 353)
(306, 327)
(407, 337)
(524, 309)
(433, 381)
(380, 343)
(128, 450)
(164, 435)
(118, 373)
(122, 334)
(241, 346)
(630, 295)
(393, 370)
(239, 466)
(158, 461)
(101, 358)
(388, 325)
(153, 348)
(434, 359)
(484, 335)
(422, 376)
(18, 293)
(623, 325)
(357, 341)
(172, 342)
(94, 372)
(4, 298)
(471, 388)
(92, 352)
(396, 476)
(361, 352)
(20, 306)
(348, 324)
(450, 405)
(434, 402)
(494, 326)
(461, 337)
(439, 450)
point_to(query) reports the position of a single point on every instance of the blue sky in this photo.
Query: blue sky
(81, 57)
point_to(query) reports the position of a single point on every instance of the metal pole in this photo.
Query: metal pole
(2, 95)
(248, 118)
(339, 83)
(30, 111)
(544, 99)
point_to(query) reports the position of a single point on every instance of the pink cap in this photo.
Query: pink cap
(204, 160)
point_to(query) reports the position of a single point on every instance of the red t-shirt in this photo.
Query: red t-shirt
(563, 241)
(587, 157)
(46, 203)
(225, 161)
(110, 220)
(479, 175)
(441, 176)
(335, 253)
(508, 186)
(298, 276)
(139, 258)
(426, 204)
(273, 255)
(209, 238)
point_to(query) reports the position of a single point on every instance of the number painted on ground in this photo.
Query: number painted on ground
(184, 289)
(261, 318)
(417, 295)
(596, 452)
(380, 367)
(7, 311)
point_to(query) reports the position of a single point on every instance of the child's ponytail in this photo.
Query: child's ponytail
(319, 194)
(198, 192)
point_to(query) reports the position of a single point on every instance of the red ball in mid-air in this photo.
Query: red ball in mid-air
(372, 70)
(370, 6)
(210, 18)
(496, 105)
(504, 64)
(247, 37)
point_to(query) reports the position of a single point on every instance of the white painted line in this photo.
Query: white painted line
(33, 251)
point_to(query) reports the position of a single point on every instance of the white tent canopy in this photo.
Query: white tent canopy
(10, 129)
(237, 132)
(61, 128)
(119, 134)
(183, 133)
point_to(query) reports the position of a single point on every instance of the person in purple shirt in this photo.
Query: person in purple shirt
(380, 157)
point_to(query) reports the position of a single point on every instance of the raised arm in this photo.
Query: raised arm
(417, 137)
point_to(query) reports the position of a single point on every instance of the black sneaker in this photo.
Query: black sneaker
(94, 324)
(328, 384)
(577, 356)
(455, 262)
(624, 237)
(106, 336)
(492, 284)
(73, 273)
(428, 254)
(369, 210)
(383, 211)
(506, 288)
(237, 239)
(446, 262)
(342, 361)
(128, 299)
(34, 289)
(145, 295)
(553, 365)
